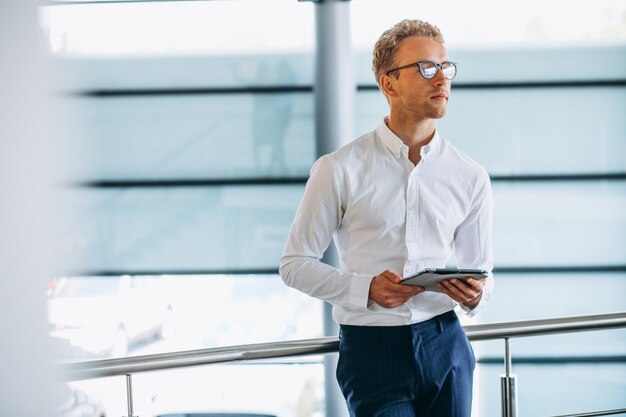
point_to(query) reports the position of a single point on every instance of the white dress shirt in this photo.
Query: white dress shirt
(384, 212)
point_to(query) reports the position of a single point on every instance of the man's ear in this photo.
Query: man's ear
(387, 85)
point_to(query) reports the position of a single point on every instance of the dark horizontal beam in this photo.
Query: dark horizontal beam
(558, 269)
(200, 182)
(559, 177)
(524, 84)
(104, 93)
(274, 271)
(221, 182)
(153, 272)
(551, 360)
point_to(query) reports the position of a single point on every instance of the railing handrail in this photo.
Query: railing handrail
(161, 361)
(597, 413)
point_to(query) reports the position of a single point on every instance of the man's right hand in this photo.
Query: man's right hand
(386, 290)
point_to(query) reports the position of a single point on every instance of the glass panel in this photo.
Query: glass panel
(94, 317)
(521, 136)
(242, 310)
(548, 390)
(219, 27)
(509, 64)
(586, 344)
(292, 390)
(555, 295)
(536, 224)
(212, 136)
(184, 72)
(519, 24)
(540, 296)
(569, 224)
(213, 228)
(492, 65)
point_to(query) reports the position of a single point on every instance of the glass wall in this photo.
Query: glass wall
(197, 134)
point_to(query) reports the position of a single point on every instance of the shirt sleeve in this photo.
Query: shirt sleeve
(472, 240)
(317, 218)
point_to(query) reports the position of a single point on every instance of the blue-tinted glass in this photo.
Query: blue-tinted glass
(554, 295)
(540, 130)
(586, 344)
(513, 64)
(537, 296)
(511, 132)
(560, 223)
(210, 136)
(549, 390)
(502, 64)
(246, 227)
(194, 72)
(212, 228)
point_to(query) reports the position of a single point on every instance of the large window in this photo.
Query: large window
(196, 134)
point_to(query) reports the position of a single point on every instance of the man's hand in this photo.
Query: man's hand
(468, 292)
(386, 290)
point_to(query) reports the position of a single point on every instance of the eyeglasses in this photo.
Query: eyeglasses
(428, 69)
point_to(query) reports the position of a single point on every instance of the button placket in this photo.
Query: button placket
(412, 208)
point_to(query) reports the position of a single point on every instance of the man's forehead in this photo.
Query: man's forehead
(420, 48)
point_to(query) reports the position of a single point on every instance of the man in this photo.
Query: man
(398, 200)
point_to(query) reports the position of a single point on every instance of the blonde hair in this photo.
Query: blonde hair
(387, 45)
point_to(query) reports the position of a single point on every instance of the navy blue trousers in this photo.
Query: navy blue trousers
(419, 370)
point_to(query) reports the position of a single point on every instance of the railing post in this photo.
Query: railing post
(129, 395)
(508, 385)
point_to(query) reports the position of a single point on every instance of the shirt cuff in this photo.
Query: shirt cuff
(360, 291)
(471, 312)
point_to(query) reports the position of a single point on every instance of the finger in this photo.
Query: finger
(458, 291)
(451, 291)
(392, 276)
(391, 298)
(474, 283)
(389, 294)
(409, 290)
(399, 289)
(391, 302)
(462, 287)
(447, 292)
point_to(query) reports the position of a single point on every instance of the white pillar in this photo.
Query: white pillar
(335, 90)
(335, 85)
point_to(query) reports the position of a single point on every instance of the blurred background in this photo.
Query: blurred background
(187, 130)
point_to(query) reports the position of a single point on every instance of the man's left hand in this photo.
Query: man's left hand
(467, 292)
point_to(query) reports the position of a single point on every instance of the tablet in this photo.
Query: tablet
(429, 278)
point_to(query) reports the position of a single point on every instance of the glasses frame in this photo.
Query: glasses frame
(419, 64)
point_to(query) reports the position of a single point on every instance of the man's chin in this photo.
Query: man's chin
(437, 114)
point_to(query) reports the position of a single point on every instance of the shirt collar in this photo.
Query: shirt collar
(398, 148)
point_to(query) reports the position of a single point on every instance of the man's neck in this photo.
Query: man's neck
(414, 133)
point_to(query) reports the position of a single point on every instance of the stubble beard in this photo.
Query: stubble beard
(435, 112)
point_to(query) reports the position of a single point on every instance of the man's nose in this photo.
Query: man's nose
(439, 78)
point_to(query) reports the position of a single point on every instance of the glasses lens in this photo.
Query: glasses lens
(449, 70)
(428, 69)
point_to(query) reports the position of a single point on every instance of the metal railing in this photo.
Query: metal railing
(508, 330)
(597, 413)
